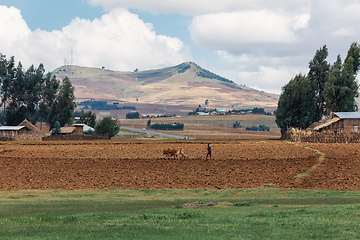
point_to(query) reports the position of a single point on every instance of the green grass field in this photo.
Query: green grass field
(261, 213)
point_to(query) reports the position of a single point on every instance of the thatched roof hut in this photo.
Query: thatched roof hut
(33, 130)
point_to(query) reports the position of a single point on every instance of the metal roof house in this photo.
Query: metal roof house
(340, 122)
(25, 131)
(10, 132)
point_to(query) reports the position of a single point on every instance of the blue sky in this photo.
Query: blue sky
(259, 43)
(49, 14)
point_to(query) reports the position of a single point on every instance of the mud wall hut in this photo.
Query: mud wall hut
(340, 122)
(73, 130)
(11, 132)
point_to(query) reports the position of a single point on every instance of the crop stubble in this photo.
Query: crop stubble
(141, 165)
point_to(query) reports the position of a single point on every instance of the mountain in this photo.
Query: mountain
(185, 85)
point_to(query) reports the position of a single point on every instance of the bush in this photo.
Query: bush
(253, 128)
(263, 128)
(56, 129)
(164, 126)
(107, 127)
(236, 124)
(133, 115)
(260, 128)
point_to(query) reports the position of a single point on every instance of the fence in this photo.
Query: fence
(296, 135)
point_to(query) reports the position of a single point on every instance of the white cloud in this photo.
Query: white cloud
(119, 40)
(258, 71)
(199, 7)
(229, 31)
(343, 32)
(259, 43)
(13, 27)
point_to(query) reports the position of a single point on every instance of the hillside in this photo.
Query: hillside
(185, 85)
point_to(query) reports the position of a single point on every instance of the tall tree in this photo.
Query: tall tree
(14, 112)
(3, 76)
(296, 107)
(48, 95)
(88, 118)
(342, 87)
(64, 105)
(318, 76)
(6, 82)
(107, 127)
(3, 67)
(353, 58)
(34, 79)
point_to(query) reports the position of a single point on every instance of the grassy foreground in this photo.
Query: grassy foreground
(261, 213)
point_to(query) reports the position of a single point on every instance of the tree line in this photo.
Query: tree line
(324, 89)
(34, 95)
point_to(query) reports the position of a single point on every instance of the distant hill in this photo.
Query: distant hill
(186, 85)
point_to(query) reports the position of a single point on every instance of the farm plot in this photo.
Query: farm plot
(142, 165)
(340, 168)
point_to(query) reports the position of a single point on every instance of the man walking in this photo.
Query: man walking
(208, 152)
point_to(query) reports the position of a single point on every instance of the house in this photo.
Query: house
(25, 131)
(340, 122)
(11, 132)
(33, 129)
(221, 111)
(85, 127)
(203, 113)
(73, 130)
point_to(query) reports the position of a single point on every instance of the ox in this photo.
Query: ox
(177, 152)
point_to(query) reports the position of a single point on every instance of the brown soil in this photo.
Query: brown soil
(141, 165)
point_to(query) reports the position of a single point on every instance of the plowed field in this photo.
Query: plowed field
(142, 165)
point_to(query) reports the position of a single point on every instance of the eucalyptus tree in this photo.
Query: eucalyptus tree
(318, 75)
(342, 87)
(63, 107)
(296, 107)
(49, 91)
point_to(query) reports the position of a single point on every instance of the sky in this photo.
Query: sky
(261, 44)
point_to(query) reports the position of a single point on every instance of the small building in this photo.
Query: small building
(203, 113)
(222, 111)
(73, 130)
(25, 131)
(33, 129)
(340, 122)
(11, 132)
(86, 128)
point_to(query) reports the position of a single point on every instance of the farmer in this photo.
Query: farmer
(208, 152)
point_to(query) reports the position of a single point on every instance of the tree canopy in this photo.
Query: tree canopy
(33, 94)
(63, 107)
(325, 89)
(296, 107)
(107, 127)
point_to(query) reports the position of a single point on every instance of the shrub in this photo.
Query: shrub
(107, 127)
(57, 128)
(236, 124)
(164, 126)
(132, 115)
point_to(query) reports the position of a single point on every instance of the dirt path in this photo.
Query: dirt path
(313, 168)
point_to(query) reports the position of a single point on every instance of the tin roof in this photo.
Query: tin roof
(11, 128)
(347, 115)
